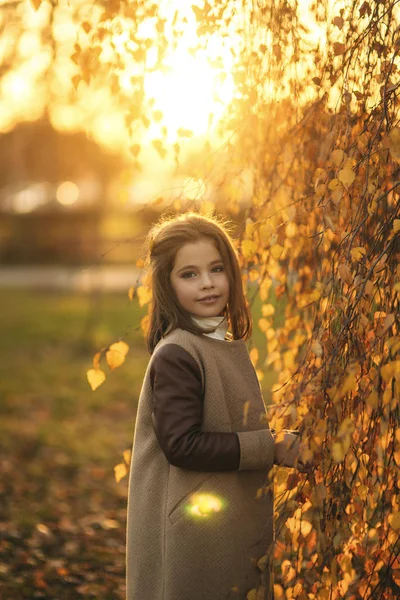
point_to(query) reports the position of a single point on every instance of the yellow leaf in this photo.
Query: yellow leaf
(338, 49)
(394, 144)
(254, 275)
(396, 225)
(323, 594)
(345, 273)
(115, 356)
(362, 492)
(338, 452)
(251, 228)
(266, 231)
(330, 224)
(267, 310)
(346, 563)
(337, 157)
(144, 295)
(271, 358)
(393, 344)
(384, 325)
(394, 520)
(76, 79)
(36, 3)
(131, 293)
(127, 454)
(339, 22)
(120, 471)
(346, 176)
(372, 399)
(369, 287)
(249, 248)
(337, 195)
(291, 230)
(320, 493)
(320, 190)
(357, 253)
(389, 370)
(276, 251)
(306, 299)
(254, 356)
(349, 384)
(332, 185)
(320, 430)
(347, 426)
(95, 378)
(278, 592)
(380, 265)
(305, 528)
(263, 325)
(316, 348)
(184, 132)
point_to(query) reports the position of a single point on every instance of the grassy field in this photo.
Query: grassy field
(62, 514)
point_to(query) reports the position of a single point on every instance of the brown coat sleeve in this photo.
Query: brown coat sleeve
(178, 414)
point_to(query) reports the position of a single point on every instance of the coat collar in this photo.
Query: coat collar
(220, 323)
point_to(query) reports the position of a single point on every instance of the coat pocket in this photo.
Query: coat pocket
(189, 503)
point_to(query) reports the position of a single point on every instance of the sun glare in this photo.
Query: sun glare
(194, 86)
(15, 86)
(189, 94)
(188, 87)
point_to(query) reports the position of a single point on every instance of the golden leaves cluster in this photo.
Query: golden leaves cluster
(115, 356)
(331, 265)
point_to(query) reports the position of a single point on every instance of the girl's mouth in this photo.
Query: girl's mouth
(209, 299)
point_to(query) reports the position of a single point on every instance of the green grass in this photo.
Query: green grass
(47, 344)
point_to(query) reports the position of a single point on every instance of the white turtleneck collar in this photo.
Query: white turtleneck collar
(221, 324)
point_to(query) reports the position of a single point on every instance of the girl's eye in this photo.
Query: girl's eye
(192, 272)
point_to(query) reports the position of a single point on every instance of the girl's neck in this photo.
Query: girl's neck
(220, 323)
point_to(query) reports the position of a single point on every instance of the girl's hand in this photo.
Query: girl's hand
(305, 466)
(287, 449)
(288, 453)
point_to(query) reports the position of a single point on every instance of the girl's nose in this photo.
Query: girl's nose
(206, 279)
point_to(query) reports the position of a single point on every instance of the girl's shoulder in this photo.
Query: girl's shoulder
(177, 336)
(187, 340)
(202, 344)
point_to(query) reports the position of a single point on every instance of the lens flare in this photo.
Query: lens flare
(204, 505)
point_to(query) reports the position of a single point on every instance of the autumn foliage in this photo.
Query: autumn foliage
(322, 233)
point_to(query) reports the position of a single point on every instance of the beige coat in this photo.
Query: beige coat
(172, 552)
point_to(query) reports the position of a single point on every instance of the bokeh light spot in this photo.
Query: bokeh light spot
(67, 193)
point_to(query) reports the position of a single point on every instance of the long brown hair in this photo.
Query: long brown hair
(163, 241)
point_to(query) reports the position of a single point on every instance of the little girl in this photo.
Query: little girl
(200, 504)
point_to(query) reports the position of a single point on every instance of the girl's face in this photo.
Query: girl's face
(199, 272)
